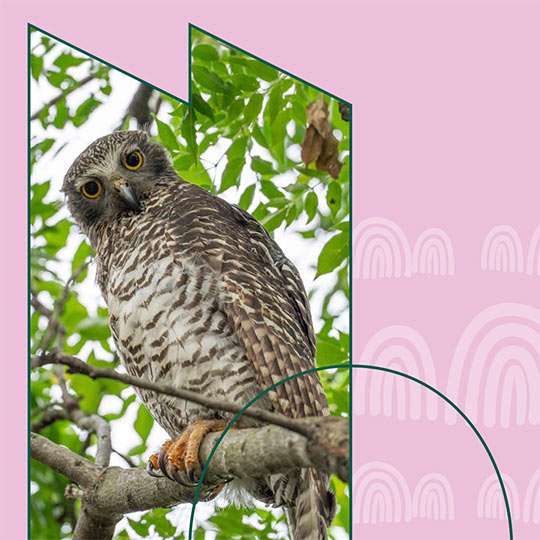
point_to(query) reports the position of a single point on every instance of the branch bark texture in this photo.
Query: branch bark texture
(110, 492)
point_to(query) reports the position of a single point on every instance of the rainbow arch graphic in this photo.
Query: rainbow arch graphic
(380, 249)
(381, 494)
(433, 498)
(533, 255)
(502, 250)
(490, 498)
(495, 371)
(403, 349)
(531, 505)
(433, 254)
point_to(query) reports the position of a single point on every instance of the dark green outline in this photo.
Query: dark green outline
(28, 316)
(31, 27)
(60, 40)
(359, 366)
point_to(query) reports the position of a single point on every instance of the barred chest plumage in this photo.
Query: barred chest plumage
(165, 317)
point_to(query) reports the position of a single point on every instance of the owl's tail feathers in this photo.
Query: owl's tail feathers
(315, 507)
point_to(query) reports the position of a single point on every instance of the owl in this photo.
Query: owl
(201, 297)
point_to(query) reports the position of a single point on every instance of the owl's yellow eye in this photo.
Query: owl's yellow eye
(133, 160)
(91, 189)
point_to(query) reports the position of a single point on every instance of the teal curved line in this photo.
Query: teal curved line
(360, 366)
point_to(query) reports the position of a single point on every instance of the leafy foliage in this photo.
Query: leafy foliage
(241, 139)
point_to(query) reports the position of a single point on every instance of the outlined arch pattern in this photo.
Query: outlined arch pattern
(531, 504)
(433, 498)
(496, 367)
(401, 348)
(490, 498)
(381, 250)
(491, 503)
(502, 251)
(382, 495)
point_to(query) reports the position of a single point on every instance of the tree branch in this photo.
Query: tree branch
(55, 328)
(76, 365)
(111, 492)
(63, 94)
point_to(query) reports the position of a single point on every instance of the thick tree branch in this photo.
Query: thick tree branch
(139, 108)
(76, 365)
(253, 453)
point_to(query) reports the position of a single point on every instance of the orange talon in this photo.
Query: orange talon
(181, 454)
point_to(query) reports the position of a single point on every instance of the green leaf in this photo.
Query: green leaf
(84, 251)
(245, 82)
(84, 110)
(274, 104)
(202, 106)
(183, 162)
(62, 114)
(139, 527)
(205, 52)
(67, 60)
(262, 166)
(232, 172)
(274, 220)
(311, 204)
(57, 78)
(188, 132)
(299, 112)
(263, 71)
(258, 135)
(143, 423)
(270, 190)
(237, 148)
(333, 197)
(291, 214)
(247, 197)
(334, 252)
(36, 66)
(235, 109)
(329, 351)
(198, 175)
(94, 329)
(166, 135)
(40, 149)
(210, 80)
(88, 389)
(253, 108)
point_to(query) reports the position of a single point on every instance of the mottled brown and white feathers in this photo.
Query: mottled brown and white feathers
(201, 297)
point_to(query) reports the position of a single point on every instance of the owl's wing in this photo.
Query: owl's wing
(261, 294)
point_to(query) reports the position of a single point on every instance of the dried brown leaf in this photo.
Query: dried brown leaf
(311, 145)
(319, 141)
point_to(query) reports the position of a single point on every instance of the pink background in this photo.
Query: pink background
(446, 137)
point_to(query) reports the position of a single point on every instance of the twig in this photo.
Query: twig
(49, 417)
(128, 460)
(63, 94)
(54, 318)
(78, 366)
(38, 306)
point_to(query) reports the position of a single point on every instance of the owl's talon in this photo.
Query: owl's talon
(153, 468)
(178, 458)
(156, 473)
(163, 464)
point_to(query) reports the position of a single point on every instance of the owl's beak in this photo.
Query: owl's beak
(127, 194)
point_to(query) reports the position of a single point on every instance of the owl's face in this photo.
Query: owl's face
(111, 177)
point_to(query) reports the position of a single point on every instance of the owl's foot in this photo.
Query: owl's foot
(179, 458)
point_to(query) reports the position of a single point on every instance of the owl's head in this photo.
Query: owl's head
(112, 176)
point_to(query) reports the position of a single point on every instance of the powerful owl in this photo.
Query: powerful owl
(201, 297)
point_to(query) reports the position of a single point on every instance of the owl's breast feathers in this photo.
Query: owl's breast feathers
(198, 292)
